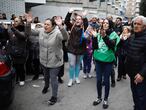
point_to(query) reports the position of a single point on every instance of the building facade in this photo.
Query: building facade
(49, 8)
(132, 8)
(17, 7)
(10, 7)
(100, 9)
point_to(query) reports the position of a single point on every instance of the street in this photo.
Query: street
(77, 97)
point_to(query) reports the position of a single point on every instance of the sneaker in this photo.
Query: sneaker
(35, 77)
(105, 104)
(77, 81)
(124, 77)
(60, 80)
(52, 101)
(97, 101)
(89, 76)
(94, 75)
(21, 83)
(70, 83)
(113, 84)
(85, 76)
(45, 90)
(118, 79)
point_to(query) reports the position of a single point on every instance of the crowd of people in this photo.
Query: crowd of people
(45, 47)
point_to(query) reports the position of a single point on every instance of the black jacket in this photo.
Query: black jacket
(136, 54)
(17, 43)
(3, 36)
(75, 45)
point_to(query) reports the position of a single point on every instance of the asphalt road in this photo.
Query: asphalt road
(77, 97)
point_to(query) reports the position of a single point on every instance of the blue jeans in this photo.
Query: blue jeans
(139, 94)
(87, 60)
(74, 65)
(103, 72)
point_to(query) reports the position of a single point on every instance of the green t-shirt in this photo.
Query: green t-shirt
(103, 53)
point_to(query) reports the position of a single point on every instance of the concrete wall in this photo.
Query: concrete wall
(57, 7)
(44, 11)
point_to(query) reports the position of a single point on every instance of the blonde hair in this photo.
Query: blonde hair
(127, 27)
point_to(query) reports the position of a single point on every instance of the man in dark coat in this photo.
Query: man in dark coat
(136, 62)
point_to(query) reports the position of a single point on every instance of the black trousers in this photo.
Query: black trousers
(61, 71)
(29, 68)
(113, 75)
(36, 66)
(121, 66)
(20, 72)
(139, 94)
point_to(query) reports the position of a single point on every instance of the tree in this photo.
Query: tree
(143, 8)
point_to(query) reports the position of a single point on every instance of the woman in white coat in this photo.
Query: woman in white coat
(51, 53)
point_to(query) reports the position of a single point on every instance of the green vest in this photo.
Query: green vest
(103, 53)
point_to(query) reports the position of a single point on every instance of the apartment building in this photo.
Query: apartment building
(18, 7)
(49, 8)
(132, 8)
(12, 6)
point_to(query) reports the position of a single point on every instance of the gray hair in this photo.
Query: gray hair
(140, 17)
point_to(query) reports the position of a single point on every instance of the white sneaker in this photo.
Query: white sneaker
(70, 83)
(85, 76)
(89, 75)
(77, 81)
(21, 83)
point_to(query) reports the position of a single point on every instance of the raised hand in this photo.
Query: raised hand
(84, 13)
(93, 32)
(59, 21)
(28, 17)
(71, 10)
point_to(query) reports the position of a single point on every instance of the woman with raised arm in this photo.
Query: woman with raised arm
(51, 53)
(76, 44)
(17, 47)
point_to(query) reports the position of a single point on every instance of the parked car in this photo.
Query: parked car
(7, 79)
